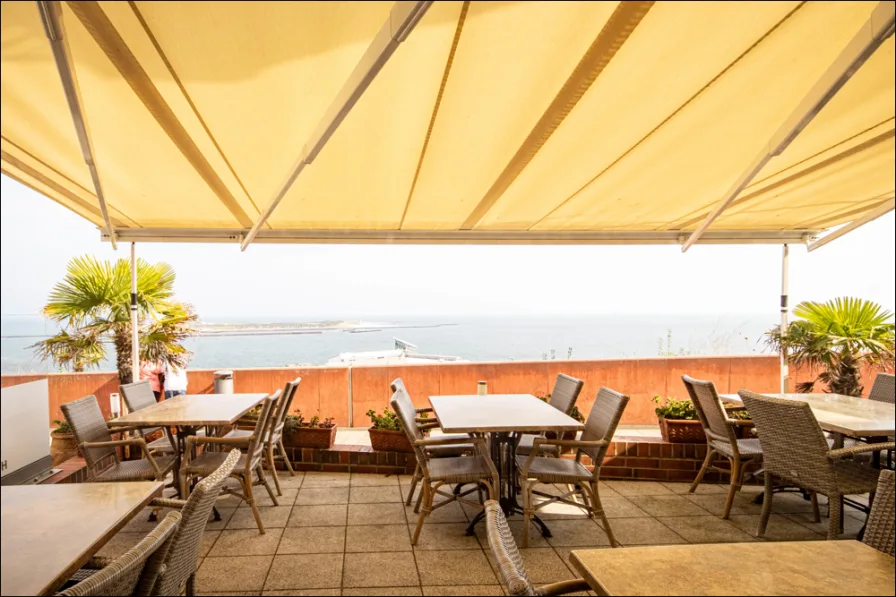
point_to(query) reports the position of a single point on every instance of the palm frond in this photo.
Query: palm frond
(79, 350)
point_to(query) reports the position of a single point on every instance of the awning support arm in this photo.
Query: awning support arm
(50, 16)
(403, 17)
(870, 216)
(869, 37)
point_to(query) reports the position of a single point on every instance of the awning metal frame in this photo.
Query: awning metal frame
(869, 216)
(403, 17)
(867, 40)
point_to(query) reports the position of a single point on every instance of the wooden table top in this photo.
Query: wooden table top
(499, 413)
(856, 417)
(50, 531)
(767, 568)
(193, 410)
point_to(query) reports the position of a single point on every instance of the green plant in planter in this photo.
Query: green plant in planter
(62, 428)
(315, 421)
(676, 410)
(574, 413)
(388, 421)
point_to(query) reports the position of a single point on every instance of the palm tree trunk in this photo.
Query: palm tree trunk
(122, 341)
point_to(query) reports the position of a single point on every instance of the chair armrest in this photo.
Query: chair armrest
(733, 407)
(426, 424)
(137, 441)
(441, 441)
(568, 443)
(126, 428)
(565, 587)
(860, 449)
(168, 503)
(423, 410)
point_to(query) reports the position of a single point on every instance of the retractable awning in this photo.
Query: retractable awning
(453, 122)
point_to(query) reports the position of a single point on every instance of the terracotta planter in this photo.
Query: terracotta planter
(384, 440)
(682, 432)
(62, 447)
(321, 438)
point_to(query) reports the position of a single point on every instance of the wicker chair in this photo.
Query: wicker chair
(599, 429)
(98, 448)
(248, 464)
(274, 439)
(510, 562)
(426, 423)
(796, 452)
(436, 472)
(720, 438)
(880, 531)
(563, 397)
(178, 570)
(133, 572)
(137, 396)
(884, 388)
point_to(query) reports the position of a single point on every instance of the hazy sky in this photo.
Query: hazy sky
(39, 237)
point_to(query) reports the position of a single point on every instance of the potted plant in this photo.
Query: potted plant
(386, 434)
(678, 421)
(62, 443)
(312, 433)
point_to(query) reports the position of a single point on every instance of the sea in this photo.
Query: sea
(472, 338)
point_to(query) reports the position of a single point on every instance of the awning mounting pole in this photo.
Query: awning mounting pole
(135, 320)
(785, 282)
(870, 36)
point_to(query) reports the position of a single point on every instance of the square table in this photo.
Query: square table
(771, 568)
(503, 417)
(50, 531)
(192, 410)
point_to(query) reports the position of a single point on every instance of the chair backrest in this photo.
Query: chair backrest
(255, 450)
(89, 426)
(137, 396)
(565, 393)
(504, 549)
(281, 409)
(880, 530)
(140, 564)
(602, 422)
(709, 409)
(397, 384)
(183, 555)
(793, 445)
(884, 388)
(404, 408)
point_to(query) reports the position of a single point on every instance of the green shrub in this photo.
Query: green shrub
(388, 421)
(62, 428)
(672, 409)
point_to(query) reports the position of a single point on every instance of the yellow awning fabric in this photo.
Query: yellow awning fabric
(491, 122)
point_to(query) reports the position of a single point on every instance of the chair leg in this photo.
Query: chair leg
(282, 449)
(184, 486)
(413, 485)
(191, 585)
(816, 513)
(736, 473)
(835, 506)
(264, 481)
(706, 464)
(273, 466)
(598, 509)
(528, 512)
(426, 494)
(419, 498)
(250, 499)
(766, 506)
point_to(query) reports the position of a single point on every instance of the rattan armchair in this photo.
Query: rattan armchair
(563, 397)
(796, 452)
(880, 531)
(510, 562)
(477, 469)
(133, 572)
(95, 441)
(249, 464)
(720, 438)
(884, 388)
(534, 469)
(273, 443)
(137, 396)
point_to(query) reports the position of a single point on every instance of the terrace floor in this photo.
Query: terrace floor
(342, 534)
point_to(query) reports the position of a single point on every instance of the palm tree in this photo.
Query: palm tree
(837, 337)
(93, 303)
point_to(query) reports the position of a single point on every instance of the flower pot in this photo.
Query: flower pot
(678, 431)
(321, 438)
(62, 447)
(384, 440)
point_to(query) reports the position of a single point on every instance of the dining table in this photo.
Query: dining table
(773, 568)
(50, 531)
(502, 419)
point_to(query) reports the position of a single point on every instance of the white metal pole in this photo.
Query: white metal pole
(785, 279)
(135, 341)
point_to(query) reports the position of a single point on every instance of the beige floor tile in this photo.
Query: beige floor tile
(467, 590)
(318, 516)
(444, 536)
(543, 566)
(851, 525)
(516, 527)
(306, 571)
(376, 514)
(667, 505)
(643, 531)
(715, 504)
(219, 525)
(779, 528)
(120, 543)
(703, 488)
(460, 567)
(578, 533)
(376, 538)
(318, 480)
(248, 542)
(319, 592)
(293, 481)
(263, 499)
(705, 529)
(384, 569)
(563, 554)
(228, 593)
(367, 480)
(312, 540)
(141, 523)
(452, 512)
(318, 496)
(793, 503)
(405, 480)
(383, 591)
(233, 574)
(271, 517)
(630, 488)
(620, 507)
(375, 495)
(208, 540)
(229, 501)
